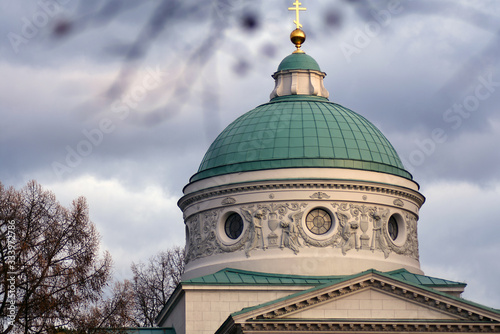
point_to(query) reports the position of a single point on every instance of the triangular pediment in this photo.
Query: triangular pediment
(371, 296)
(370, 303)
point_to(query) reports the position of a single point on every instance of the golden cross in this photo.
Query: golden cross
(297, 10)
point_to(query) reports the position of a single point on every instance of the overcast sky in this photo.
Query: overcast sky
(117, 101)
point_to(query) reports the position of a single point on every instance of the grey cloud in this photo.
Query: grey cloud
(404, 82)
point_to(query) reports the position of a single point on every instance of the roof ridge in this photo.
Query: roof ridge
(431, 278)
(397, 271)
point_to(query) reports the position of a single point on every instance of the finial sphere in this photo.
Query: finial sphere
(298, 37)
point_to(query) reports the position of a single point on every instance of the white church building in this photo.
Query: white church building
(302, 218)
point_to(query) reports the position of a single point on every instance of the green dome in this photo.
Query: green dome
(298, 131)
(298, 61)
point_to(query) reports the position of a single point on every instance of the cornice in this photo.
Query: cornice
(349, 326)
(411, 195)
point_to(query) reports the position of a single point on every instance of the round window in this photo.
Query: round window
(318, 221)
(393, 228)
(233, 226)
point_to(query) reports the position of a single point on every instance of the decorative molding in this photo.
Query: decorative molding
(189, 199)
(228, 201)
(201, 235)
(203, 240)
(319, 195)
(398, 202)
(357, 326)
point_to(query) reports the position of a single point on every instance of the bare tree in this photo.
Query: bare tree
(114, 312)
(154, 282)
(49, 260)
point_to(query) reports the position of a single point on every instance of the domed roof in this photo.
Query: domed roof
(298, 131)
(298, 61)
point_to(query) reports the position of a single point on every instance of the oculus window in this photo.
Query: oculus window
(233, 226)
(318, 221)
(393, 228)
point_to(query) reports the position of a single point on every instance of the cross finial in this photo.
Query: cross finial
(297, 10)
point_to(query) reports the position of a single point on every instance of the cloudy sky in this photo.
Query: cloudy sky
(117, 101)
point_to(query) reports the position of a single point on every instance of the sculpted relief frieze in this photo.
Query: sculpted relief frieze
(200, 235)
(410, 247)
(276, 216)
(293, 226)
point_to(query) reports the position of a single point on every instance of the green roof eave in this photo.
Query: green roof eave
(231, 276)
(298, 97)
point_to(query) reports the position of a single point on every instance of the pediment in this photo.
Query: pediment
(371, 296)
(370, 303)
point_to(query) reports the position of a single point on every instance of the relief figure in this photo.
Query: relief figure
(255, 239)
(348, 233)
(290, 235)
(378, 240)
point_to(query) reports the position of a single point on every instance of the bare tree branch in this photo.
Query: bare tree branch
(154, 282)
(49, 260)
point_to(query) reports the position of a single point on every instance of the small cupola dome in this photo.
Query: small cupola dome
(299, 74)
